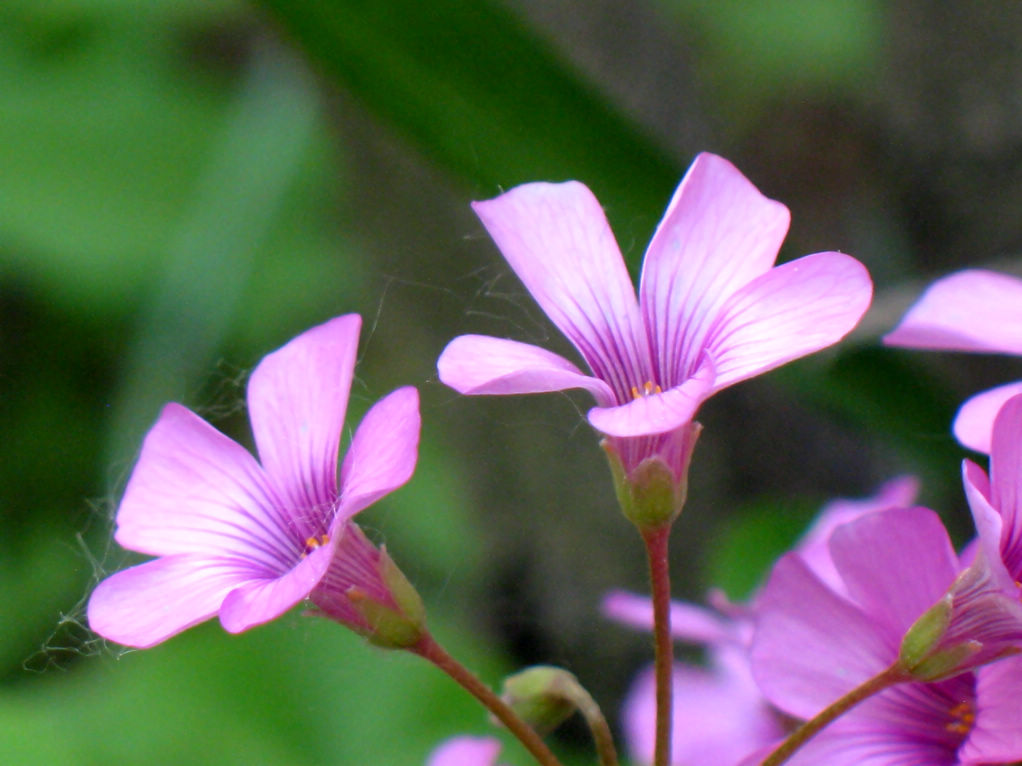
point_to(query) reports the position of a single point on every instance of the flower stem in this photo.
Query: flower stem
(602, 737)
(893, 675)
(429, 649)
(660, 586)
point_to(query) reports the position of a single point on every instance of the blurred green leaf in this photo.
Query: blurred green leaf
(297, 691)
(754, 53)
(481, 95)
(755, 536)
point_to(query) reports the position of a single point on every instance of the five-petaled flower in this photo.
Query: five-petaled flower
(814, 643)
(248, 540)
(711, 309)
(972, 310)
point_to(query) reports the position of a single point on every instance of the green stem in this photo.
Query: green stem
(660, 586)
(597, 723)
(429, 649)
(893, 675)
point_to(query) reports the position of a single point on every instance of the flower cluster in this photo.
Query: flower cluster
(874, 641)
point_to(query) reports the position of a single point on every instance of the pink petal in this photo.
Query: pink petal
(896, 564)
(989, 525)
(792, 310)
(557, 240)
(1006, 481)
(689, 622)
(717, 235)
(194, 490)
(466, 751)
(656, 413)
(265, 599)
(972, 310)
(383, 452)
(814, 546)
(811, 646)
(996, 736)
(719, 715)
(974, 423)
(297, 397)
(151, 602)
(478, 364)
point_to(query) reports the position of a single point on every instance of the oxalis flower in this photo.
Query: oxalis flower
(996, 501)
(814, 643)
(248, 540)
(720, 715)
(711, 310)
(973, 310)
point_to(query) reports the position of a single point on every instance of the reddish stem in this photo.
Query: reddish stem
(429, 649)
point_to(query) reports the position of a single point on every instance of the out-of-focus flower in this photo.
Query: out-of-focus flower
(465, 751)
(248, 540)
(972, 310)
(813, 645)
(997, 502)
(712, 309)
(720, 715)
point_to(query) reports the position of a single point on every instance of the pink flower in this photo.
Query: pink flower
(466, 751)
(971, 310)
(720, 714)
(814, 644)
(997, 502)
(712, 309)
(248, 540)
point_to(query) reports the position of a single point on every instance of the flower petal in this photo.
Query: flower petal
(147, 604)
(793, 310)
(656, 413)
(972, 310)
(988, 521)
(719, 715)
(996, 736)
(194, 490)
(1006, 482)
(382, 454)
(479, 364)
(689, 622)
(974, 423)
(558, 241)
(719, 233)
(264, 599)
(466, 751)
(896, 564)
(811, 646)
(814, 545)
(297, 397)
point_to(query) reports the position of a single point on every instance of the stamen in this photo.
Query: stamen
(647, 388)
(964, 715)
(312, 543)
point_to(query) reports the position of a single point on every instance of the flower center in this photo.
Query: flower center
(963, 716)
(647, 388)
(312, 543)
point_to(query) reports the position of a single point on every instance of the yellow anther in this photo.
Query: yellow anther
(647, 388)
(314, 542)
(964, 714)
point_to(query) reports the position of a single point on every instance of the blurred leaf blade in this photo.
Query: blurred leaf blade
(480, 95)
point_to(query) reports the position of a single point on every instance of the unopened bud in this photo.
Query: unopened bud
(543, 696)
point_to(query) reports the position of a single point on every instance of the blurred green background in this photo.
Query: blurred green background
(186, 184)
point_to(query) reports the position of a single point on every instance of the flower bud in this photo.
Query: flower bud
(543, 696)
